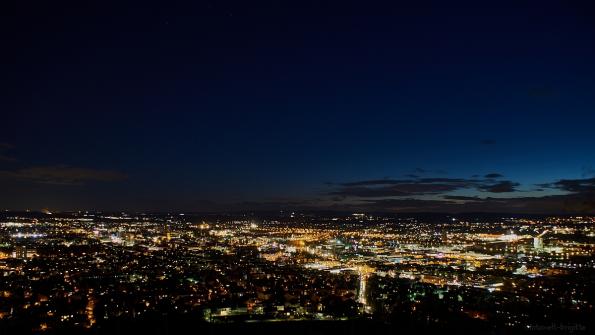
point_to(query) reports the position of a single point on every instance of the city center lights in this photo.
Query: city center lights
(285, 267)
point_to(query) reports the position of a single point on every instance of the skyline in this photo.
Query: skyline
(228, 106)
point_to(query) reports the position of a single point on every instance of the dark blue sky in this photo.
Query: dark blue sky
(350, 105)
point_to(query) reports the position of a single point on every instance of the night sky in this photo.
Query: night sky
(249, 105)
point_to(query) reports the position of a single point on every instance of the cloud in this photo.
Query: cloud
(461, 198)
(402, 204)
(500, 187)
(401, 187)
(431, 195)
(554, 204)
(62, 175)
(366, 192)
(412, 187)
(572, 185)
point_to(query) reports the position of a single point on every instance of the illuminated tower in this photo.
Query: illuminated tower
(538, 241)
(20, 252)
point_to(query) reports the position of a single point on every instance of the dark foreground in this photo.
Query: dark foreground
(165, 325)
